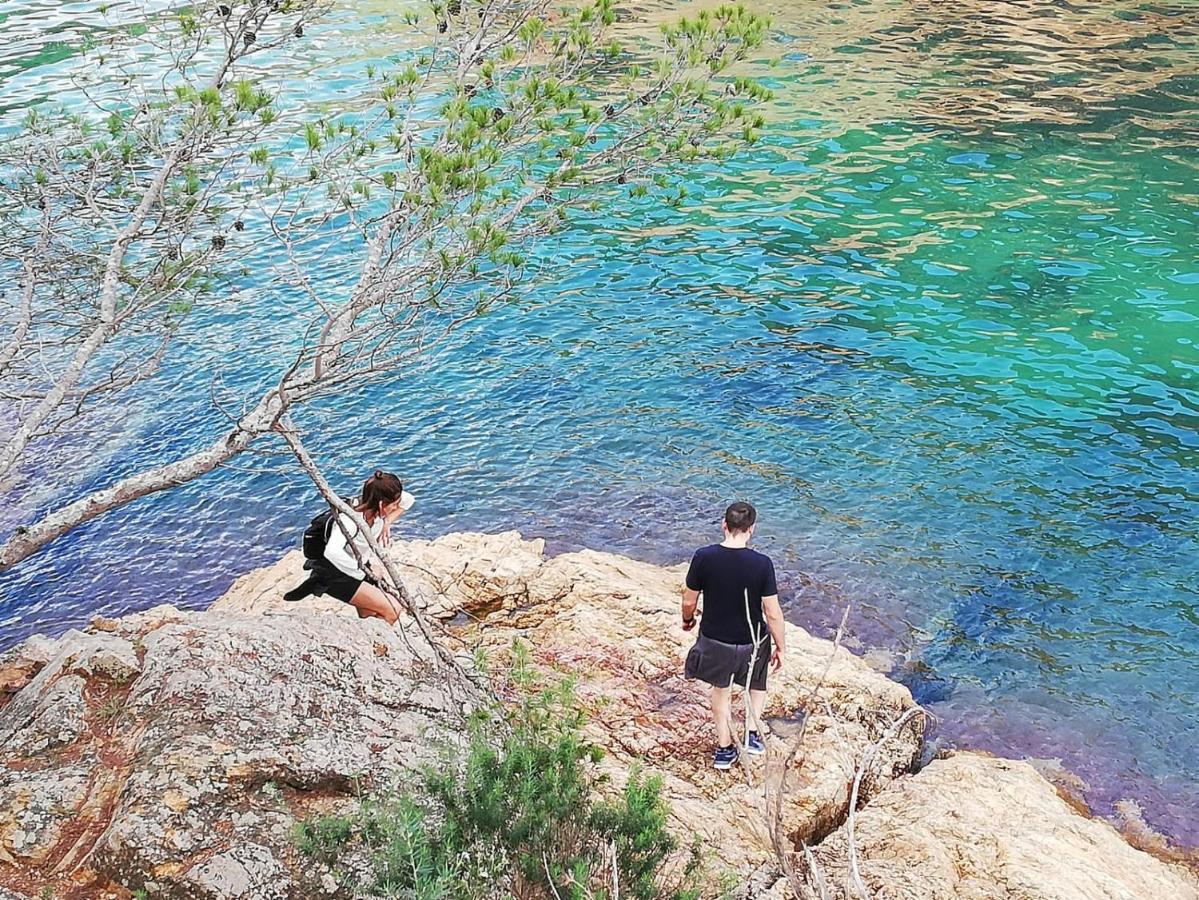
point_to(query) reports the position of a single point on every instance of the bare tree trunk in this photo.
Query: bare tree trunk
(26, 541)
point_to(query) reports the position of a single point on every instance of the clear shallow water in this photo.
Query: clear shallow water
(940, 326)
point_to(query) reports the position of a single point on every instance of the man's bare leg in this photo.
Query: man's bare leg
(757, 703)
(720, 715)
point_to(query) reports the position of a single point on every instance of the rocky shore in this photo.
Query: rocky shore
(172, 753)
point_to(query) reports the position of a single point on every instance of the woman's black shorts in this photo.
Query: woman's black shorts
(336, 583)
(721, 664)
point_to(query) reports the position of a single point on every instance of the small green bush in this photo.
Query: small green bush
(518, 815)
(324, 838)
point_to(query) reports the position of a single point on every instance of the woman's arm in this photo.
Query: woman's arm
(406, 501)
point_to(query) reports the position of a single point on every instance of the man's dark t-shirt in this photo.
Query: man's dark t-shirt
(723, 575)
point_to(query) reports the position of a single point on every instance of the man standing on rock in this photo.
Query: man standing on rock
(738, 587)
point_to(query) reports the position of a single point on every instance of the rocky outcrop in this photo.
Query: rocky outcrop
(174, 752)
(613, 623)
(973, 827)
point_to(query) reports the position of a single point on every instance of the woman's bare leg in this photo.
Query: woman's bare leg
(373, 603)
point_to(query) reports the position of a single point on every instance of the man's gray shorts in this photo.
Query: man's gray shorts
(720, 664)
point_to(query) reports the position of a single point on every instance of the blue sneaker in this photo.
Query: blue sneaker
(755, 746)
(725, 756)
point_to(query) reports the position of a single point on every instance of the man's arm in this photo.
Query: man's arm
(774, 621)
(692, 585)
(690, 600)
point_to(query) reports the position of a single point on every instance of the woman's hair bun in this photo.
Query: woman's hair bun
(381, 488)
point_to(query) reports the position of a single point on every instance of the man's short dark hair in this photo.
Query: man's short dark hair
(740, 517)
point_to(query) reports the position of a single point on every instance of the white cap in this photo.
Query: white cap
(406, 501)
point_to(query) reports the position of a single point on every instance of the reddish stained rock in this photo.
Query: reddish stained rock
(176, 789)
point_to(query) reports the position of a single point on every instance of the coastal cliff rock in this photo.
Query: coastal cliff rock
(613, 623)
(974, 827)
(174, 752)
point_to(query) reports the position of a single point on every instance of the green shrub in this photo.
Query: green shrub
(518, 815)
(325, 837)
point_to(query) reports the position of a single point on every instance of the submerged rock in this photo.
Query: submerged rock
(174, 752)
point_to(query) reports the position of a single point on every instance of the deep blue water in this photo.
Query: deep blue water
(943, 338)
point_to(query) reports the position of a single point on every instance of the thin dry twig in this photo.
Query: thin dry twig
(784, 853)
(862, 769)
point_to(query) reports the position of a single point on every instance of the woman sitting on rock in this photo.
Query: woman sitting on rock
(337, 572)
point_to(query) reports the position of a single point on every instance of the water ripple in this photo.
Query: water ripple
(939, 325)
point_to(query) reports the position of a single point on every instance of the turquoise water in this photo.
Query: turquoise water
(939, 326)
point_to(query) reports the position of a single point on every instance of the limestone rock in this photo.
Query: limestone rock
(50, 710)
(36, 650)
(613, 623)
(244, 870)
(160, 782)
(100, 654)
(474, 575)
(973, 827)
(49, 718)
(231, 702)
(134, 626)
(43, 661)
(38, 807)
(174, 752)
